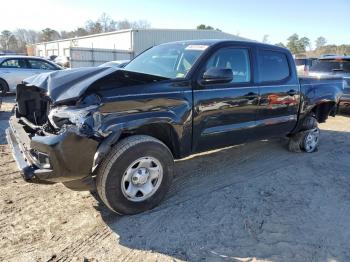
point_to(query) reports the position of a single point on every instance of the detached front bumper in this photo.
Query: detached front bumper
(65, 158)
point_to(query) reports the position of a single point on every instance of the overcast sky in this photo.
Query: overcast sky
(249, 18)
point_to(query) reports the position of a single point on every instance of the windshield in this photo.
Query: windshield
(169, 60)
(331, 65)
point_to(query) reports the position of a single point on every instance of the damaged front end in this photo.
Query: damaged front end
(54, 143)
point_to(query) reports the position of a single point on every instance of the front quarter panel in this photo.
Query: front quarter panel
(169, 102)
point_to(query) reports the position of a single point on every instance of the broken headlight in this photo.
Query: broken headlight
(86, 119)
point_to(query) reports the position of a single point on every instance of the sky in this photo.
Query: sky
(249, 18)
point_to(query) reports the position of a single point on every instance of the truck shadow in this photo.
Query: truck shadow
(251, 201)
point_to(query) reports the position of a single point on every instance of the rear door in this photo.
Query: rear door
(38, 66)
(279, 92)
(224, 114)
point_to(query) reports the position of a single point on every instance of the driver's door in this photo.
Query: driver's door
(225, 113)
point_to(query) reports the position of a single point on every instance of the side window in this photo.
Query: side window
(13, 63)
(236, 59)
(39, 64)
(272, 65)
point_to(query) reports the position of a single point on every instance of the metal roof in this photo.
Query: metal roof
(129, 30)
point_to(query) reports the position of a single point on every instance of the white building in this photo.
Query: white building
(126, 43)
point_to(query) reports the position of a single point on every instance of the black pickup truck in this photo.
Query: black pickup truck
(119, 130)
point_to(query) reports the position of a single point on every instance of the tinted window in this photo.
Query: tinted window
(14, 63)
(40, 64)
(331, 65)
(273, 66)
(236, 59)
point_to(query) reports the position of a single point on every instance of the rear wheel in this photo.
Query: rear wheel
(135, 175)
(307, 139)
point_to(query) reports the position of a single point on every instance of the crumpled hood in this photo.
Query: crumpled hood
(68, 84)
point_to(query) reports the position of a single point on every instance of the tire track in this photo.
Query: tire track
(82, 246)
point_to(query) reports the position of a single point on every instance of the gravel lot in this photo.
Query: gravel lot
(246, 203)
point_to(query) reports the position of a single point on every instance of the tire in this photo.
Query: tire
(124, 178)
(301, 141)
(307, 141)
(3, 88)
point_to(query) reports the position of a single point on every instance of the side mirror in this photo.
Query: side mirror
(216, 75)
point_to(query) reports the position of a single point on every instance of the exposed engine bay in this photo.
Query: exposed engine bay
(35, 110)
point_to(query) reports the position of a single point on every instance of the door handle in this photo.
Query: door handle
(292, 92)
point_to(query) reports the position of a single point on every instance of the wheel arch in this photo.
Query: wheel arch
(322, 110)
(163, 131)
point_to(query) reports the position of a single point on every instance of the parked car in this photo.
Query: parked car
(335, 66)
(51, 58)
(303, 65)
(63, 61)
(119, 130)
(116, 64)
(14, 69)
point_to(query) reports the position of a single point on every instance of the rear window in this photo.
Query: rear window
(326, 65)
(273, 66)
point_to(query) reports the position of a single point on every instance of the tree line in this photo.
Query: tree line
(17, 40)
(302, 46)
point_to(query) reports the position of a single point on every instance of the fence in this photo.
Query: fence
(85, 57)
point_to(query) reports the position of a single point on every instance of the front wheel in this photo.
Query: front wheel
(306, 141)
(135, 175)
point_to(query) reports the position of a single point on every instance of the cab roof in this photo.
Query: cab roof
(212, 42)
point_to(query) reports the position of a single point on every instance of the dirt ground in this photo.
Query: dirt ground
(256, 202)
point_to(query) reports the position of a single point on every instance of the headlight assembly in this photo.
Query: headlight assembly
(86, 119)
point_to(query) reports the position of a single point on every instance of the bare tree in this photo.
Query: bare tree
(107, 23)
(280, 44)
(93, 27)
(205, 27)
(141, 24)
(8, 41)
(320, 41)
(49, 34)
(265, 39)
(124, 24)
